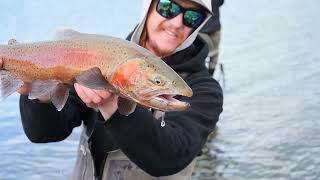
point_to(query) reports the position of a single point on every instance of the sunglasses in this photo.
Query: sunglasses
(170, 9)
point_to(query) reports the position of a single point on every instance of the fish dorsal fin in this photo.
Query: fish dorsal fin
(66, 34)
(9, 83)
(42, 88)
(125, 106)
(93, 79)
(59, 96)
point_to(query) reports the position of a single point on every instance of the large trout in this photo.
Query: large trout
(97, 62)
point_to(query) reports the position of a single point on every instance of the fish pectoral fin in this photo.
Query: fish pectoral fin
(42, 88)
(9, 83)
(93, 79)
(125, 106)
(59, 96)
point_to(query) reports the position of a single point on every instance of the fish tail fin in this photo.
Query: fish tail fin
(9, 83)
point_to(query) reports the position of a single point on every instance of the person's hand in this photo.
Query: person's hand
(102, 100)
(24, 89)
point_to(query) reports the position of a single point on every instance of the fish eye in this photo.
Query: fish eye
(158, 80)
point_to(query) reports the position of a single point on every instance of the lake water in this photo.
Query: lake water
(271, 121)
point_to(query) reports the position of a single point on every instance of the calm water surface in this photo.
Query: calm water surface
(271, 122)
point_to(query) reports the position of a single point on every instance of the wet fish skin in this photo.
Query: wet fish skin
(95, 61)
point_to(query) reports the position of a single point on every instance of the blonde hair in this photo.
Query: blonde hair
(143, 37)
(144, 33)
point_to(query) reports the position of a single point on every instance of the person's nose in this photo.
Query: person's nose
(177, 21)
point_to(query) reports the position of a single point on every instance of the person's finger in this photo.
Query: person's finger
(91, 105)
(109, 107)
(103, 93)
(94, 97)
(89, 96)
(105, 98)
(114, 99)
(80, 91)
(1, 63)
(24, 89)
(110, 101)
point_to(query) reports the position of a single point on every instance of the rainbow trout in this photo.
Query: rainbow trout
(95, 61)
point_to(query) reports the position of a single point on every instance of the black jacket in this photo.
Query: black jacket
(158, 151)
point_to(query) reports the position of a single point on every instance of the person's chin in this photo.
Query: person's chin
(164, 50)
(170, 43)
(168, 46)
(171, 40)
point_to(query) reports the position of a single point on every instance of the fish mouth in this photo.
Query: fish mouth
(165, 101)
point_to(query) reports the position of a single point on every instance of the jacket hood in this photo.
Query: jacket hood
(191, 59)
(146, 5)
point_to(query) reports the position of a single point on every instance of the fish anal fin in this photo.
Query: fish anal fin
(42, 88)
(93, 79)
(59, 96)
(57, 92)
(125, 106)
(9, 83)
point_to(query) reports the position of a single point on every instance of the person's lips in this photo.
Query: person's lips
(172, 36)
(171, 33)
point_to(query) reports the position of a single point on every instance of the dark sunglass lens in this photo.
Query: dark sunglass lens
(193, 18)
(167, 8)
(163, 8)
(175, 9)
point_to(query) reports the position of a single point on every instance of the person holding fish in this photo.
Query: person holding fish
(121, 140)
